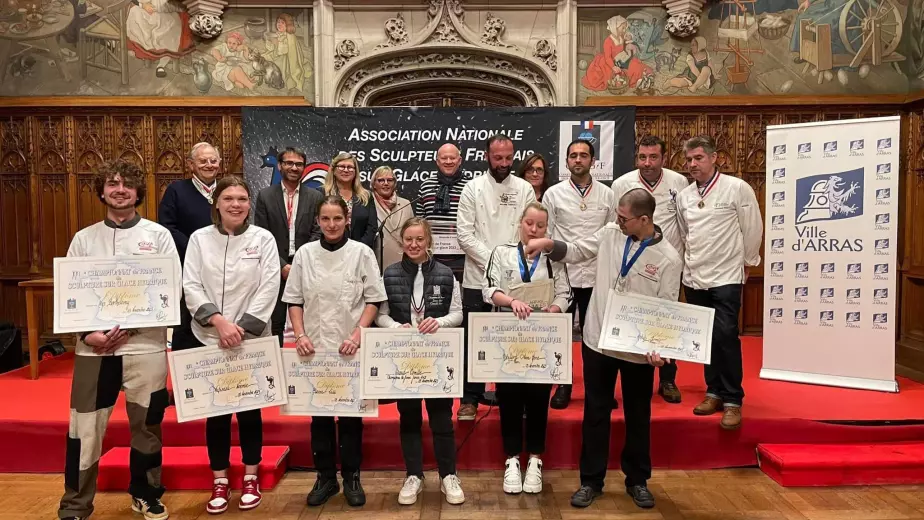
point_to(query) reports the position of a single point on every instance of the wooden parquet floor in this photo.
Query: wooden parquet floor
(681, 495)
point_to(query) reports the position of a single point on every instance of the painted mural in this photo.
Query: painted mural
(755, 47)
(145, 48)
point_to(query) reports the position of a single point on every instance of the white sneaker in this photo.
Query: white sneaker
(451, 486)
(533, 481)
(412, 487)
(513, 482)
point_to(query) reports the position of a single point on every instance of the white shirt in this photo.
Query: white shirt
(137, 236)
(721, 237)
(333, 288)
(503, 273)
(291, 214)
(235, 276)
(568, 222)
(665, 193)
(655, 273)
(453, 319)
(489, 215)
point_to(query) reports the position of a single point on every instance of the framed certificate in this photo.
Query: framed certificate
(641, 324)
(210, 381)
(325, 384)
(506, 349)
(405, 364)
(98, 293)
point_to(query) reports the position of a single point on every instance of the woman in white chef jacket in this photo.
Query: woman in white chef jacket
(511, 275)
(334, 290)
(231, 282)
(424, 294)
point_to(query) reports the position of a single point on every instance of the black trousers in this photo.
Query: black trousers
(579, 303)
(724, 374)
(600, 374)
(218, 429)
(324, 446)
(515, 399)
(182, 334)
(439, 416)
(472, 301)
(280, 311)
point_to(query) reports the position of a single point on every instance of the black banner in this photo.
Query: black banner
(407, 139)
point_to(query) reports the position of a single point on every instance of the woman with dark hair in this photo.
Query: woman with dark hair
(534, 170)
(231, 283)
(423, 294)
(343, 180)
(334, 290)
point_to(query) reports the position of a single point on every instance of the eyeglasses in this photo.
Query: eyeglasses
(386, 181)
(344, 168)
(622, 220)
(536, 170)
(290, 164)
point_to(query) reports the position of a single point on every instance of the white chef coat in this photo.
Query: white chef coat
(137, 236)
(665, 193)
(236, 276)
(655, 273)
(333, 287)
(453, 319)
(503, 273)
(723, 236)
(489, 215)
(568, 222)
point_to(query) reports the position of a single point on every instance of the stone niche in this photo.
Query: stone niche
(511, 50)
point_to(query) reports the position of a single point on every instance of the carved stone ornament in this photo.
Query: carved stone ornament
(545, 51)
(493, 29)
(396, 31)
(346, 50)
(682, 25)
(205, 25)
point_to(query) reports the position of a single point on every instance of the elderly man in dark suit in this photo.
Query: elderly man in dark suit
(289, 213)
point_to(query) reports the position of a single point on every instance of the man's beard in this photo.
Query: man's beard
(499, 172)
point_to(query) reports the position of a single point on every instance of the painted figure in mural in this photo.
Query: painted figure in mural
(699, 72)
(158, 31)
(287, 52)
(232, 57)
(914, 43)
(619, 62)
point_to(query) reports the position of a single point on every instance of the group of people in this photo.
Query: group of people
(342, 258)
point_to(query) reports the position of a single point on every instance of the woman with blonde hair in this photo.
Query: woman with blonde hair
(423, 294)
(343, 180)
(510, 273)
(392, 212)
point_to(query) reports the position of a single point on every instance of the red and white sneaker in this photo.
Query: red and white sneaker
(250, 493)
(221, 495)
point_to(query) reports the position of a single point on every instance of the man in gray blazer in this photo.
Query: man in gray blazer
(288, 212)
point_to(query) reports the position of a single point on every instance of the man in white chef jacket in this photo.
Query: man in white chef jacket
(664, 185)
(720, 222)
(577, 209)
(489, 214)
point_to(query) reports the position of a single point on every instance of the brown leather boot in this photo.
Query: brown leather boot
(467, 412)
(731, 418)
(709, 406)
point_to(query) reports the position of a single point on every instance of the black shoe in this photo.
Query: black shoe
(670, 392)
(152, 509)
(73, 518)
(584, 496)
(322, 491)
(562, 397)
(353, 490)
(641, 496)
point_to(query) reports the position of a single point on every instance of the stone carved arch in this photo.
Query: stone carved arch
(446, 50)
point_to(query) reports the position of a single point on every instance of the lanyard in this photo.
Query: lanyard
(290, 202)
(649, 187)
(525, 275)
(624, 270)
(707, 188)
(582, 193)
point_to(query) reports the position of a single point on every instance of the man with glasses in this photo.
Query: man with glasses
(577, 209)
(438, 203)
(289, 214)
(664, 185)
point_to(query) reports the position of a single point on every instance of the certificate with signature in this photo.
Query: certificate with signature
(405, 364)
(641, 324)
(325, 384)
(211, 380)
(505, 349)
(93, 293)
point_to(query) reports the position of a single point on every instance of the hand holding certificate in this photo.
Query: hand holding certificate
(404, 364)
(506, 349)
(640, 325)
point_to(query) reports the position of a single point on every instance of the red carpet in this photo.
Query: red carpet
(843, 464)
(188, 468)
(34, 414)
